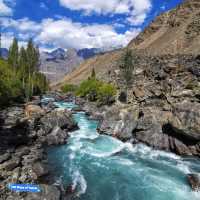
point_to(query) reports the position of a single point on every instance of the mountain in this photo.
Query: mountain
(4, 53)
(57, 54)
(102, 64)
(172, 33)
(56, 64)
(88, 53)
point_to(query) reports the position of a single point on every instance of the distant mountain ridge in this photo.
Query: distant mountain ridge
(59, 62)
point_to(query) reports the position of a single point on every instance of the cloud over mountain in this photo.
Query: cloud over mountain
(68, 34)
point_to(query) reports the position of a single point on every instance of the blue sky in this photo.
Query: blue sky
(78, 23)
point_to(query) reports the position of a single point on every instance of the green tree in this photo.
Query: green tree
(93, 74)
(10, 85)
(127, 67)
(95, 90)
(40, 83)
(69, 88)
(23, 66)
(25, 80)
(32, 65)
(13, 54)
(106, 93)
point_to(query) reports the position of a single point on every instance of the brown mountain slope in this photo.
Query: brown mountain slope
(101, 63)
(174, 32)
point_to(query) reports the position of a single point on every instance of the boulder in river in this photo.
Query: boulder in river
(57, 136)
(194, 181)
(119, 122)
(58, 118)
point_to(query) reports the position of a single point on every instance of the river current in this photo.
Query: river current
(100, 167)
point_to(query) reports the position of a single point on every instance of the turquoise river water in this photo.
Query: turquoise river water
(103, 168)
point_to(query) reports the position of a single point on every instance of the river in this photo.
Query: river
(100, 167)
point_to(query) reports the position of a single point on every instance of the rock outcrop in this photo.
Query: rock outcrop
(22, 148)
(194, 181)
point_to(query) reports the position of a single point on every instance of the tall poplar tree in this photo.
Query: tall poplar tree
(23, 66)
(13, 54)
(127, 65)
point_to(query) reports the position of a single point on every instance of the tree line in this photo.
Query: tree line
(20, 78)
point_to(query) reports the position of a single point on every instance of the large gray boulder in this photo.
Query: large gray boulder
(58, 118)
(119, 122)
(186, 120)
(194, 181)
(57, 136)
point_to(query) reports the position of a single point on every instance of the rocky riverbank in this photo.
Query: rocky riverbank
(173, 129)
(24, 135)
(26, 131)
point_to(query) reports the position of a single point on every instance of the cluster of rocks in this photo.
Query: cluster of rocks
(161, 108)
(24, 135)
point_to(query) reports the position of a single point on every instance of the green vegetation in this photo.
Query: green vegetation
(96, 90)
(106, 93)
(10, 85)
(89, 88)
(19, 75)
(13, 54)
(69, 88)
(93, 75)
(127, 67)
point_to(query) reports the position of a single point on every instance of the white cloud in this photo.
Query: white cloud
(138, 19)
(65, 33)
(5, 10)
(7, 39)
(22, 25)
(136, 10)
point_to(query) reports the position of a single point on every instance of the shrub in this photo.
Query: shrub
(95, 90)
(106, 93)
(89, 88)
(10, 85)
(69, 88)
